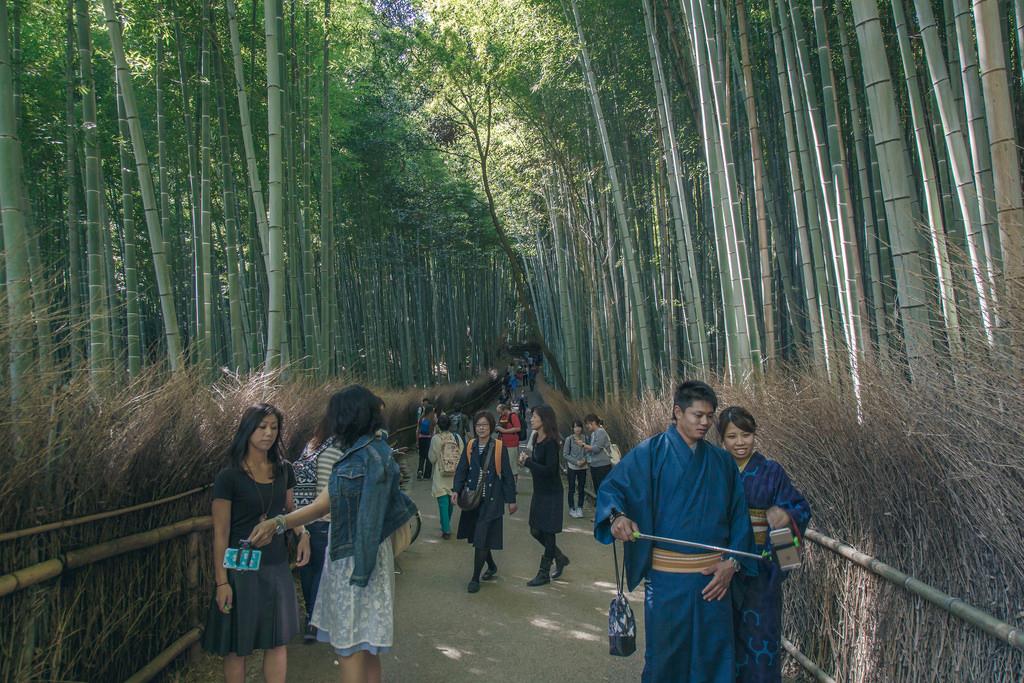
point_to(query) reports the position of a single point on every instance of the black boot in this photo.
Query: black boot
(543, 574)
(561, 561)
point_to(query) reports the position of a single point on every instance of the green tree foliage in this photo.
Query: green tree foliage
(403, 258)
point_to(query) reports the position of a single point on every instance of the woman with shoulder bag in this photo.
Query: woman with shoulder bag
(354, 608)
(484, 485)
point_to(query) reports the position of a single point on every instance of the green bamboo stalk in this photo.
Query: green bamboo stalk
(637, 297)
(236, 345)
(810, 281)
(896, 172)
(868, 208)
(275, 269)
(15, 234)
(999, 117)
(754, 134)
(145, 179)
(98, 338)
(129, 256)
(683, 230)
(933, 200)
(981, 153)
(72, 179)
(206, 352)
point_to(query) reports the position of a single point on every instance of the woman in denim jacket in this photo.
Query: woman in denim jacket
(354, 609)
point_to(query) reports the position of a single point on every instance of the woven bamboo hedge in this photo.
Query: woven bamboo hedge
(75, 454)
(930, 482)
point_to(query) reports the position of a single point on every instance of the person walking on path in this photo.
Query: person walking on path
(676, 485)
(482, 527)
(773, 503)
(355, 607)
(576, 468)
(424, 432)
(546, 505)
(598, 450)
(509, 428)
(446, 448)
(253, 610)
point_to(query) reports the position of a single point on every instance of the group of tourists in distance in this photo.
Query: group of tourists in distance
(709, 616)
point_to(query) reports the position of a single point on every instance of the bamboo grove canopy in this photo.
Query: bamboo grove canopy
(391, 187)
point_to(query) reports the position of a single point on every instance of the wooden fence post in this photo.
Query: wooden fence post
(195, 605)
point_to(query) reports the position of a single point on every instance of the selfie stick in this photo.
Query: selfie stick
(692, 544)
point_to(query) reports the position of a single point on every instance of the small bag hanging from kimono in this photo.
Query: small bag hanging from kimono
(621, 622)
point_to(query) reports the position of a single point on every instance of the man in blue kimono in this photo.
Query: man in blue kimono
(676, 485)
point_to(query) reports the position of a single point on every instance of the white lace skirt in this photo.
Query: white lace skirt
(354, 619)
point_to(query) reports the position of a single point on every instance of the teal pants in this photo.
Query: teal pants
(444, 507)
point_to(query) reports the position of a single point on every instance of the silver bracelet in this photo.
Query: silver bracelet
(280, 524)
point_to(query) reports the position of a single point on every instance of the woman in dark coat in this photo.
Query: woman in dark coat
(482, 527)
(546, 506)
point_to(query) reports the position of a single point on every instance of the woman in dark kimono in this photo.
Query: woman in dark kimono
(774, 503)
(546, 505)
(482, 527)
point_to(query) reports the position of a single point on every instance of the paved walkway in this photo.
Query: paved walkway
(507, 631)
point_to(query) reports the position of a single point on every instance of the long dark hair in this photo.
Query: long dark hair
(351, 413)
(251, 419)
(549, 422)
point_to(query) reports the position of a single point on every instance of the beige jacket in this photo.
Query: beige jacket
(440, 484)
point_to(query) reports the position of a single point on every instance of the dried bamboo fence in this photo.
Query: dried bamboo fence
(97, 594)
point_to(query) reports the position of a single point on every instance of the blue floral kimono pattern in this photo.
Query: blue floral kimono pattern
(757, 615)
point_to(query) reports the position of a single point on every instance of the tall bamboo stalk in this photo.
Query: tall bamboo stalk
(98, 338)
(145, 179)
(682, 227)
(959, 161)
(757, 162)
(895, 174)
(15, 235)
(275, 270)
(639, 301)
(999, 116)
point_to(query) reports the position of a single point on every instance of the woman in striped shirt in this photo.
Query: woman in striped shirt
(312, 472)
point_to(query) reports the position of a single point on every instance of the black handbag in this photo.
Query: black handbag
(469, 499)
(621, 622)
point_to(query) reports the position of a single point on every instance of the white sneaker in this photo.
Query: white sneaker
(577, 513)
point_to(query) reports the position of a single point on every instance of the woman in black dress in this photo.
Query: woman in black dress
(546, 506)
(254, 610)
(482, 527)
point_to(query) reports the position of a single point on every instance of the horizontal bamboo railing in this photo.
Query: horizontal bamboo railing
(163, 660)
(804, 661)
(972, 615)
(52, 568)
(64, 524)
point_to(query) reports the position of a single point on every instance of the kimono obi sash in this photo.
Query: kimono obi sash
(682, 563)
(759, 520)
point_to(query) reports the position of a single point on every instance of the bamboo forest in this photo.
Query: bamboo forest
(815, 206)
